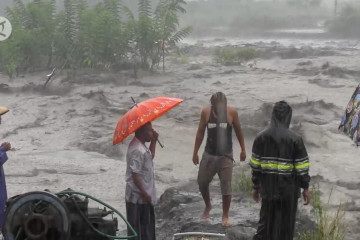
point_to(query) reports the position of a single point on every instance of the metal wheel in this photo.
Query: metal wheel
(37, 216)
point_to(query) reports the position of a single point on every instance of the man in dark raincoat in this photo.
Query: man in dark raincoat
(3, 157)
(280, 168)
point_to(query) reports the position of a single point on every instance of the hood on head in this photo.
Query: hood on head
(281, 115)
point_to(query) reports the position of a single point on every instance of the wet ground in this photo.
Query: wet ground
(63, 135)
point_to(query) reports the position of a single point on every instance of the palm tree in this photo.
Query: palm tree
(166, 16)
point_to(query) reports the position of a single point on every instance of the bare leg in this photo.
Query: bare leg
(206, 196)
(226, 206)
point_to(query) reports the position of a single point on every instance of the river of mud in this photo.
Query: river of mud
(63, 135)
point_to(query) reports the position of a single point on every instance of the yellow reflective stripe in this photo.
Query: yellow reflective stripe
(286, 166)
(304, 165)
(276, 166)
(254, 161)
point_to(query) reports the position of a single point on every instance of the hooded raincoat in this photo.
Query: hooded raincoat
(280, 168)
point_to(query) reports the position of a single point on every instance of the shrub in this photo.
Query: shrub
(234, 57)
(242, 182)
(329, 226)
(105, 36)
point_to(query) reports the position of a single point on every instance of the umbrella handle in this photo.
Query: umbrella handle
(162, 146)
(135, 104)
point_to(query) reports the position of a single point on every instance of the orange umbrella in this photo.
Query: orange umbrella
(141, 113)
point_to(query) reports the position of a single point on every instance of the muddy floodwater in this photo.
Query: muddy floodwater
(63, 135)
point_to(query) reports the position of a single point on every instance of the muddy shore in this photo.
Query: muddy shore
(63, 135)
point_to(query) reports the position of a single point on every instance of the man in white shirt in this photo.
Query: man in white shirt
(140, 192)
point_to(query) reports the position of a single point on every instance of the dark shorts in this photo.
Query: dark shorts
(211, 165)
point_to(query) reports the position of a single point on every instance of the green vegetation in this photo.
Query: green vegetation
(328, 226)
(105, 36)
(242, 182)
(234, 57)
(179, 57)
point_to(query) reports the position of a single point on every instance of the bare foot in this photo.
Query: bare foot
(225, 221)
(206, 212)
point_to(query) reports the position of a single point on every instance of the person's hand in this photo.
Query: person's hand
(196, 159)
(146, 197)
(256, 195)
(155, 136)
(242, 156)
(306, 196)
(6, 145)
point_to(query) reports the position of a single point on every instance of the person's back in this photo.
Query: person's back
(219, 132)
(219, 120)
(280, 166)
(278, 177)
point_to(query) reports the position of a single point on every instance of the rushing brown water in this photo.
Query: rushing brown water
(63, 136)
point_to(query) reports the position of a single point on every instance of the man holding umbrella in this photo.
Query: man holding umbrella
(140, 183)
(140, 194)
(3, 158)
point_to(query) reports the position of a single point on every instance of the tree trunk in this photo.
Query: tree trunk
(50, 57)
(335, 8)
(163, 54)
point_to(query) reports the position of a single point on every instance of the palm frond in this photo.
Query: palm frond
(70, 19)
(114, 6)
(21, 9)
(180, 35)
(145, 8)
(177, 6)
(53, 9)
(127, 11)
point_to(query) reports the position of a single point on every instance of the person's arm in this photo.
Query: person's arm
(302, 164)
(239, 134)
(3, 149)
(199, 136)
(139, 184)
(255, 163)
(153, 142)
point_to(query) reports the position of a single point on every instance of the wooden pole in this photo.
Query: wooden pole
(163, 54)
(335, 8)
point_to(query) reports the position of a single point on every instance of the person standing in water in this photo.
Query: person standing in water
(3, 158)
(219, 119)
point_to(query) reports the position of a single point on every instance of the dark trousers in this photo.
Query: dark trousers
(277, 220)
(142, 218)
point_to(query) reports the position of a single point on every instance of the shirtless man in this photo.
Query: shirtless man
(219, 120)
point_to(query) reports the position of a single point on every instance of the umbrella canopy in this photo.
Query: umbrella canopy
(141, 113)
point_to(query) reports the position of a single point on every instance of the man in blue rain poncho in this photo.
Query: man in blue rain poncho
(3, 157)
(280, 168)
